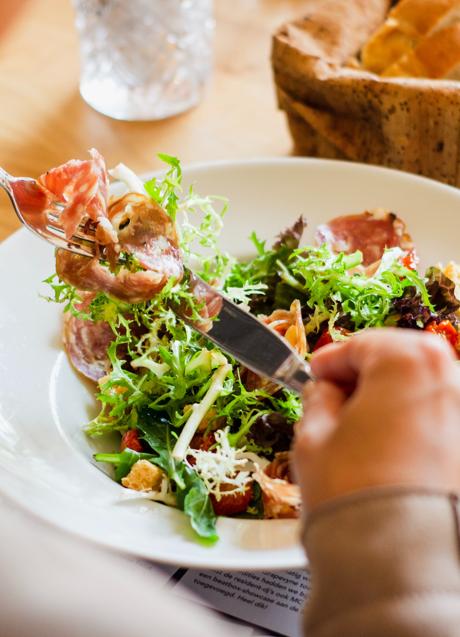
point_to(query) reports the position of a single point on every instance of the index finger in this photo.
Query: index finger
(342, 363)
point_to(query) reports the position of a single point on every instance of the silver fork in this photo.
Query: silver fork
(17, 188)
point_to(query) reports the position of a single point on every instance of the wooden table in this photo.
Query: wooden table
(44, 121)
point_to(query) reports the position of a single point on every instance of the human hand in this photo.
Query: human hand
(400, 426)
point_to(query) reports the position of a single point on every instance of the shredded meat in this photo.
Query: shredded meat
(281, 498)
(280, 467)
(33, 200)
(146, 232)
(132, 287)
(289, 324)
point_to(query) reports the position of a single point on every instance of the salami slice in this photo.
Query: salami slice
(133, 287)
(86, 344)
(370, 232)
(144, 231)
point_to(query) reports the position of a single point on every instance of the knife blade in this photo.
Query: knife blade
(245, 337)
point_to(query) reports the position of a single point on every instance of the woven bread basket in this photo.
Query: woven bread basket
(337, 110)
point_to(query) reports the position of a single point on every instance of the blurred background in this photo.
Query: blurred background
(44, 120)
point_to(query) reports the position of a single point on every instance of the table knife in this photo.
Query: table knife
(245, 337)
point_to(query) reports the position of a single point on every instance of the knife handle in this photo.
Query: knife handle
(294, 374)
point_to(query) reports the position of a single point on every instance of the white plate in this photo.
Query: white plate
(45, 459)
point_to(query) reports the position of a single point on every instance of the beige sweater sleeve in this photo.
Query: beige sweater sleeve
(384, 563)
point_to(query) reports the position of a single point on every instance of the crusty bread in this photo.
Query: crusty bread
(406, 25)
(436, 56)
(334, 29)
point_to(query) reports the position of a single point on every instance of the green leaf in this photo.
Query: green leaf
(256, 506)
(123, 460)
(197, 505)
(195, 502)
(155, 430)
(66, 295)
(166, 191)
(192, 495)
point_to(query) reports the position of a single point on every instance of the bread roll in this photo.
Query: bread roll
(404, 28)
(436, 56)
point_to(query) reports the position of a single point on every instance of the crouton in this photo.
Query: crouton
(144, 476)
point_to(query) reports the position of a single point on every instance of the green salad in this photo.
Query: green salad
(154, 374)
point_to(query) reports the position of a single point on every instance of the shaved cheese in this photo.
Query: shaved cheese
(221, 468)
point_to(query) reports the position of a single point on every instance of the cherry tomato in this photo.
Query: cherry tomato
(233, 503)
(323, 340)
(130, 440)
(203, 442)
(446, 330)
(410, 260)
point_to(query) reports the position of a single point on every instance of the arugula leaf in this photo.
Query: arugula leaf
(191, 493)
(192, 496)
(195, 502)
(155, 430)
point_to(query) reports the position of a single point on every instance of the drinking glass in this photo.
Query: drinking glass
(144, 59)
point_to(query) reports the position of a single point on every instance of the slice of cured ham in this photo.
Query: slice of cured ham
(370, 232)
(81, 186)
(33, 201)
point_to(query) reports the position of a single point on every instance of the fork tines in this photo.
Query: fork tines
(82, 241)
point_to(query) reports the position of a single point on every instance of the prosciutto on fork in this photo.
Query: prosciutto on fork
(137, 250)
